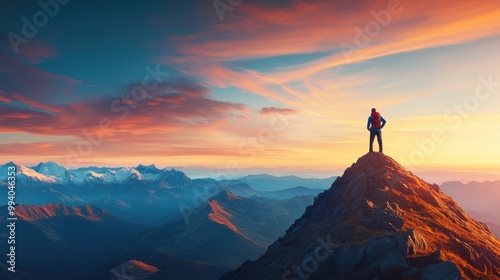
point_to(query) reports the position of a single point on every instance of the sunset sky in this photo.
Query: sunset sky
(263, 84)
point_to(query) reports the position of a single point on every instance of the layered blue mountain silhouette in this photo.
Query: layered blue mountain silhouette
(143, 194)
(97, 222)
(375, 221)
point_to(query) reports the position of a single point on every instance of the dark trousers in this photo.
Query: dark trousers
(379, 140)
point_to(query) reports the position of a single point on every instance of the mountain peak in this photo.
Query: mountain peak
(376, 177)
(34, 175)
(50, 163)
(10, 163)
(378, 160)
(380, 220)
(149, 168)
(226, 195)
(220, 215)
(52, 170)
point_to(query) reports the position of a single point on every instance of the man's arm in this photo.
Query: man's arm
(383, 121)
(369, 122)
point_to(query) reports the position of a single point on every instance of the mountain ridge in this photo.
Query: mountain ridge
(53, 173)
(380, 220)
(266, 182)
(217, 236)
(32, 213)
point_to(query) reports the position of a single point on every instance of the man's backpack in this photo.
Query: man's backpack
(376, 122)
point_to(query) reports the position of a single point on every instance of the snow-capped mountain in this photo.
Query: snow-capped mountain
(151, 170)
(144, 193)
(109, 175)
(30, 174)
(24, 173)
(52, 170)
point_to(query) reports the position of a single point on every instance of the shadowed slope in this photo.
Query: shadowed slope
(54, 241)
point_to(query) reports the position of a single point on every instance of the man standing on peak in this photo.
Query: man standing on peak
(375, 124)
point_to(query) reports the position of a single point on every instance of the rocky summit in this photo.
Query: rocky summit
(380, 221)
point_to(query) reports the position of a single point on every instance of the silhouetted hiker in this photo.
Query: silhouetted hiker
(375, 124)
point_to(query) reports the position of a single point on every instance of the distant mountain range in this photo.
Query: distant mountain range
(291, 192)
(52, 173)
(439, 176)
(264, 182)
(480, 199)
(142, 194)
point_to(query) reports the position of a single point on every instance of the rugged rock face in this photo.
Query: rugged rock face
(380, 221)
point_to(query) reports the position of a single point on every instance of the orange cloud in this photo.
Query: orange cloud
(3, 96)
(263, 31)
(173, 104)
